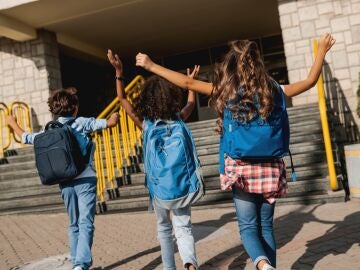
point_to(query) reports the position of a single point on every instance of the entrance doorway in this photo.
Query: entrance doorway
(92, 77)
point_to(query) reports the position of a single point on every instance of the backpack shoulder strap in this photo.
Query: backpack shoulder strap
(53, 124)
(280, 92)
(187, 130)
(70, 122)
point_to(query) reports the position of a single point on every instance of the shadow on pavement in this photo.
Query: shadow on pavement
(337, 240)
(200, 230)
(286, 228)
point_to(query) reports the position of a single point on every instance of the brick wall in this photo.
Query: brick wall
(28, 71)
(303, 20)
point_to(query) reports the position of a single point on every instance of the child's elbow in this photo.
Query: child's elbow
(312, 81)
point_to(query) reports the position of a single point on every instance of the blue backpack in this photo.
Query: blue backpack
(172, 168)
(257, 139)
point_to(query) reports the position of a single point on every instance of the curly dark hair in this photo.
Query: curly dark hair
(64, 102)
(158, 99)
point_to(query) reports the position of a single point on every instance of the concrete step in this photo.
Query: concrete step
(202, 138)
(209, 133)
(213, 197)
(308, 198)
(21, 191)
(309, 192)
(205, 145)
(294, 139)
(303, 173)
(127, 191)
(293, 119)
(50, 209)
(37, 201)
(34, 188)
(306, 165)
(29, 192)
(303, 158)
(223, 199)
(19, 175)
(292, 111)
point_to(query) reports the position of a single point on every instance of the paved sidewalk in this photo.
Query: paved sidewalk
(309, 237)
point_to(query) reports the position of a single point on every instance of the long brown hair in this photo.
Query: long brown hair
(239, 80)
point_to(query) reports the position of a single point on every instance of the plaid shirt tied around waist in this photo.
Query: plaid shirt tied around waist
(261, 177)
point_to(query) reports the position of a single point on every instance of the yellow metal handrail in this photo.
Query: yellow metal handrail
(23, 115)
(115, 103)
(325, 128)
(116, 147)
(5, 133)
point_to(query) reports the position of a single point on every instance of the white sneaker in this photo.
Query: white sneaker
(268, 267)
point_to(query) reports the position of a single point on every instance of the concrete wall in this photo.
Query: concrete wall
(303, 20)
(28, 71)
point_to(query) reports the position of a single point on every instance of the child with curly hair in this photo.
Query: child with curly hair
(161, 100)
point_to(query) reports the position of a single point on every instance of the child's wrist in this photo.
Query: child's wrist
(322, 51)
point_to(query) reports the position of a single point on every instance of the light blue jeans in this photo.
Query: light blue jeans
(255, 219)
(80, 200)
(181, 220)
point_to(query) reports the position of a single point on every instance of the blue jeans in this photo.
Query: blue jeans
(80, 200)
(255, 219)
(181, 220)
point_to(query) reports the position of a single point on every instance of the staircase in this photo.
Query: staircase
(21, 191)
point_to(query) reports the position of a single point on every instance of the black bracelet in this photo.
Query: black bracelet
(120, 78)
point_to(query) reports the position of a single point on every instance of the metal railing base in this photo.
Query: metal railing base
(102, 207)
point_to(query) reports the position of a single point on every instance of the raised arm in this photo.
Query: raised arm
(11, 121)
(117, 64)
(26, 137)
(176, 78)
(325, 43)
(190, 105)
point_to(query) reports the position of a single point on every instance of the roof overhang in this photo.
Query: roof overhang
(158, 27)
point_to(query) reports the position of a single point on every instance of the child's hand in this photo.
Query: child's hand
(143, 60)
(194, 72)
(113, 120)
(10, 120)
(326, 42)
(115, 62)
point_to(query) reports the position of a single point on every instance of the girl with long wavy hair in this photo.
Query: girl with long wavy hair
(243, 87)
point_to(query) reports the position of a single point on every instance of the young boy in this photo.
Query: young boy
(79, 194)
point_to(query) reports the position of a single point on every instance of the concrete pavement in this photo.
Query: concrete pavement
(323, 236)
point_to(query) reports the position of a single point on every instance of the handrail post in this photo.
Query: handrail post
(325, 128)
(5, 132)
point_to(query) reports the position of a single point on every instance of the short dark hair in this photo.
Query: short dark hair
(158, 99)
(63, 102)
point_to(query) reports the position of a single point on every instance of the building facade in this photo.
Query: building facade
(44, 46)
(302, 21)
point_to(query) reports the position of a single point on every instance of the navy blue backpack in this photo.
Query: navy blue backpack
(58, 155)
(257, 139)
(172, 168)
